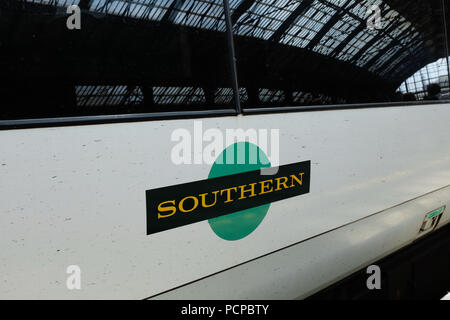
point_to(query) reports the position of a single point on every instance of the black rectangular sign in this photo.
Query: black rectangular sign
(183, 204)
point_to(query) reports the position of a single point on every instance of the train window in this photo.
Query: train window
(106, 57)
(329, 52)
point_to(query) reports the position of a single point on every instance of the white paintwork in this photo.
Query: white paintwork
(304, 269)
(76, 196)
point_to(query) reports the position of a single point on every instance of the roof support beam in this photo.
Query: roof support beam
(149, 99)
(351, 36)
(104, 7)
(172, 11)
(394, 24)
(240, 10)
(400, 68)
(84, 4)
(395, 56)
(302, 7)
(386, 49)
(333, 20)
(399, 38)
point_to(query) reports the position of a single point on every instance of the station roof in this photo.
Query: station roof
(326, 40)
(334, 28)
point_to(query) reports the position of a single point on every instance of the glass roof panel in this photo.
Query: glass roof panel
(264, 17)
(338, 33)
(308, 25)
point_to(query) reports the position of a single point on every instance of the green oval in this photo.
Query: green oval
(239, 225)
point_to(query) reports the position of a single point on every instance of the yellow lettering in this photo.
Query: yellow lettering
(228, 191)
(265, 185)
(162, 208)
(251, 190)
(279, 183)
(181, 204)
(294, 177)
(203, 197)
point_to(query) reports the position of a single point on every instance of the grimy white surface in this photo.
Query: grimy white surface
(76, 196)
(308, 267)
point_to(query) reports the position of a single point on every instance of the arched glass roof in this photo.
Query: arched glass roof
(334, 28)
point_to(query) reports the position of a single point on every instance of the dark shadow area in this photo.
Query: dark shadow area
(144, 56)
